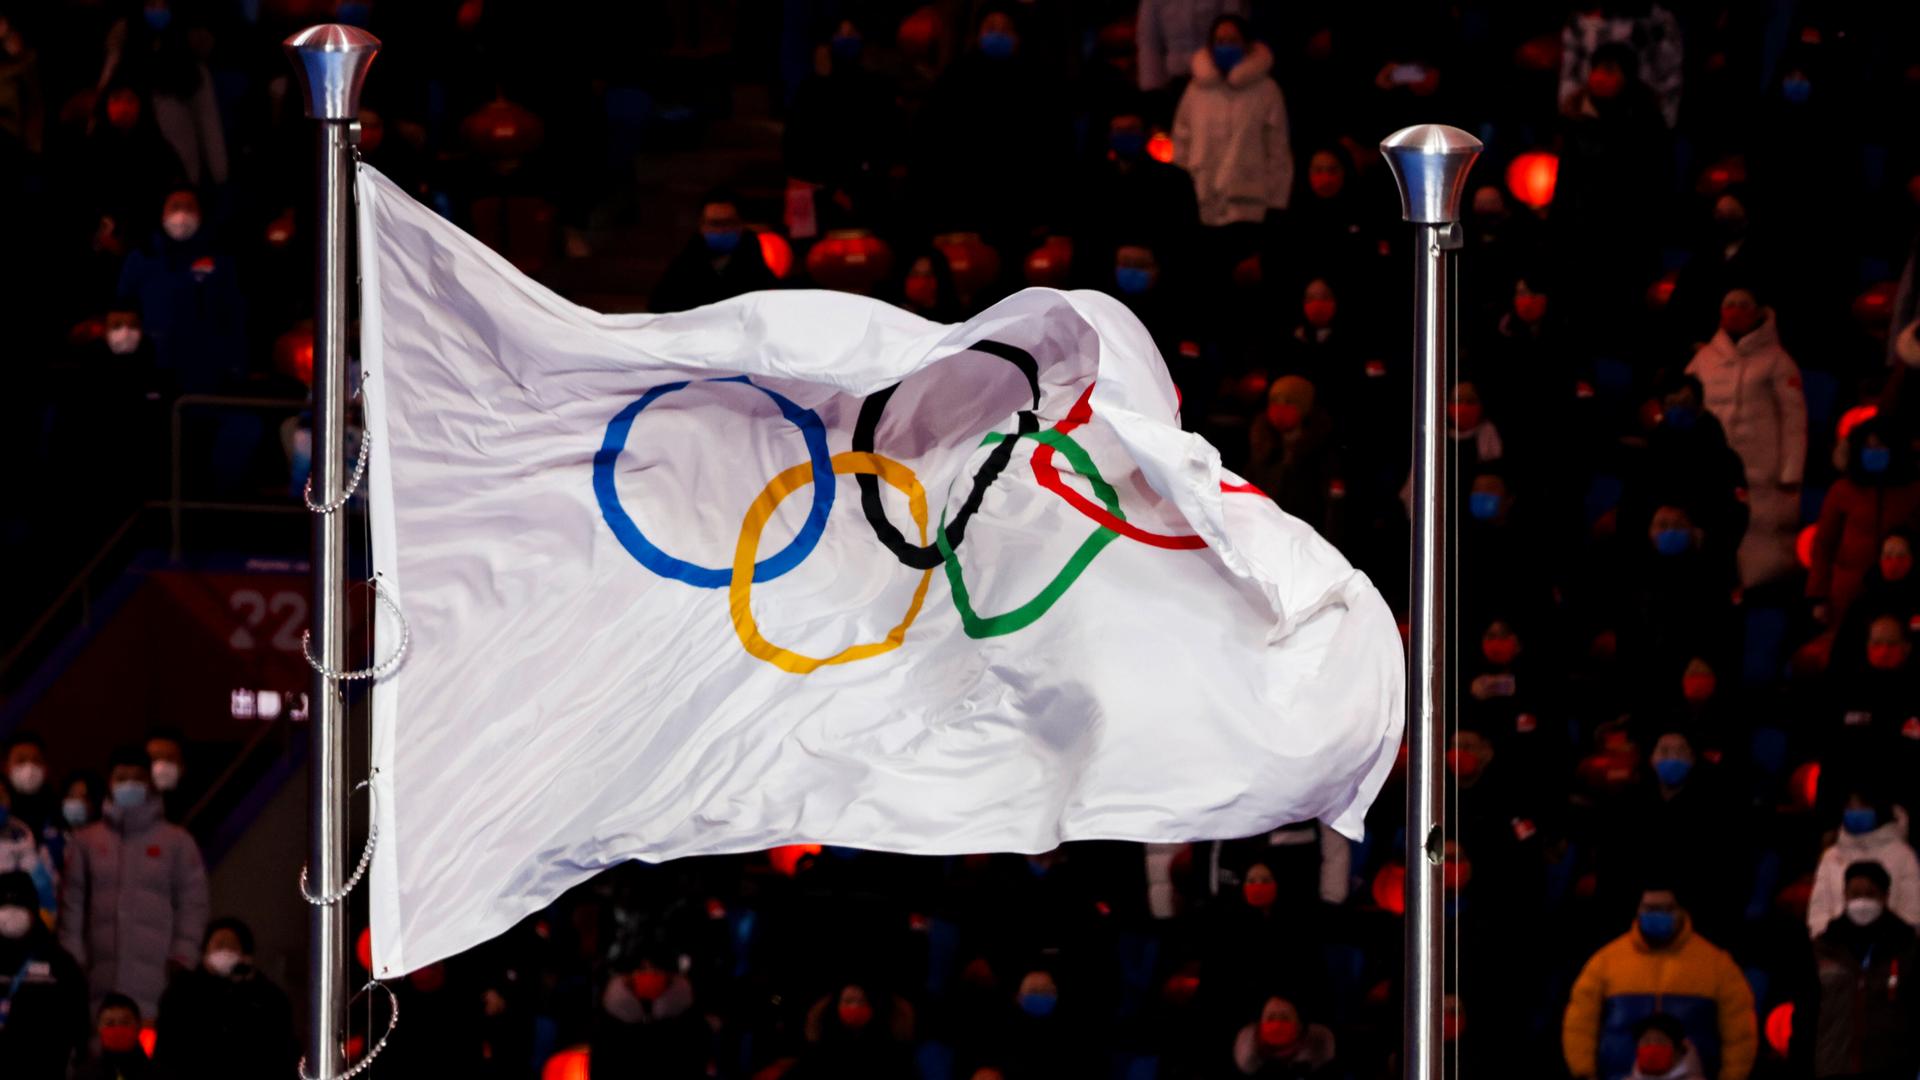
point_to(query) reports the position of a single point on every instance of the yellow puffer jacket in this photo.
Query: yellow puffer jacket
(1628, 980)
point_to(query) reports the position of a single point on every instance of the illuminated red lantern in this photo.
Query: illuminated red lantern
(1160, 147)
(1803, 546)
(147, 1038)
(850, 260)
(293, 353)
(573, 1063)
(1780, 1027)
(918, 32)
(1661, 291)
(1390, 889)
(1804, 785)
(502, 129)
(777, 253)
(975, 264)
(1050, 263)
(786, 859)
(1794, 899)
(1854, 417)
(363, 949)
(1531, 177)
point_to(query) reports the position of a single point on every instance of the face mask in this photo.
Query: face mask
(1319, 312)
(1860, 820)
(1673, 542)
(1797, 90)
(1484, 505)
(1672, 771)
(1465, 764)
(721, 241)
(1260, 894)
(166, 775)
(1279, 1034)
(1132, 280)
(923, 290)
(26, 778)
(1896, 567)
(1679, 419)
(1465, 416)
(1864, 910)
(1531, 309)
(120, 1038)
(1284, 415)
(75, 811)
(1883, 657)
(854, 1015)
(353, 14)
(1500, 650)
(1326, 183)
(1658, 927)
(1738, 321)
(1697, 687)
(123, 340)
(1038, 1003)
(181, 225)
(123, 113)
(846, 48)
(649, 984)
(221, 962)
(15, 921)
(1605, 83)
(1127, 144)
(158, 19)
(1228, 57)
(996, 44)
(1654, 1060)
(130, 794)
(1875, 459)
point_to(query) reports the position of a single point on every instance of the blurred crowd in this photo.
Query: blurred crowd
(1685, 421)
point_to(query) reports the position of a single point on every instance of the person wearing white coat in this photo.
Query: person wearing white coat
(1753, 389)
(1230, 130)
(1884, 843)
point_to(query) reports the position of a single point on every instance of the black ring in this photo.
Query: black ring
(927, 557)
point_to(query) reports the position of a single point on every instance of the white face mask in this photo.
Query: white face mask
(166, 775)
(15, 921)
(75, 811)
(181, 225)
(1864, 910)
(221, 962)
(26, 777)
(122, 340)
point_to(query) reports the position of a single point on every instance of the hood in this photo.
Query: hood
(1880, 839)
(1764, 337)
(1258, 61)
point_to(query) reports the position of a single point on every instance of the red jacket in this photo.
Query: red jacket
(1846, 544)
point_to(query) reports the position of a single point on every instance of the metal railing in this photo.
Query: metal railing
(176, 502)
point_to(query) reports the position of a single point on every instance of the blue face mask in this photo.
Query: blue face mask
(1658, 927)
(1797, 90)
(1672, 771)
(353, 14)
(1038, 1004)
(846, 48)
(1679, 419)
(1133, 280)
(1484, 505)
(1228, 57)
(128, 796)
(1128, 144)
(1860, 821)
(996, 44)
(721, 241)
(1673, 542)
(1875, 459)
(158, 19)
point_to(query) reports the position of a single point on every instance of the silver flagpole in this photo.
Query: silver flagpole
(331, 61)
(1430, 162)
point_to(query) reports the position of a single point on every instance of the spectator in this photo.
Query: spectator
(22, 851)
(1040, 1037)
(1663, 1052)
(1687, 464)
(135, 903)
(188, 295)
(1869, 833)
(1860, 1018)
(31, 798)
(1127, 194)
(840, 128)
(1292, 456)
(80, 806)
(224, 1020)
(1656, 46)
(1878, 493)
(1659, 965)
(1230, 133)
(1279, 1044)
(120, 1056)
(1169, 33)
(648, 1024)
(167, 761)
(721, 261)
(1753, 388)
(854, 1033)
(43, 1026)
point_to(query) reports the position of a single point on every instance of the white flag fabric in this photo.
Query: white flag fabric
(805, 567)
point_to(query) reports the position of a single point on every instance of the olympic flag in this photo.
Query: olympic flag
(804, 567)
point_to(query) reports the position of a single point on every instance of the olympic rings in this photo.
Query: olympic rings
(977, 626)
(740, 590)
(1049, 477)
(926, 556)
(707, 577)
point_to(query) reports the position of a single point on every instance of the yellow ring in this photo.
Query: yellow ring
(740, 590)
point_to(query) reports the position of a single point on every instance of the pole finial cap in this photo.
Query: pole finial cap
(1430, 163)
(332, 62)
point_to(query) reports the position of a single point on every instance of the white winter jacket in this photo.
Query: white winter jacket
(1230, 134)
(1886, 845)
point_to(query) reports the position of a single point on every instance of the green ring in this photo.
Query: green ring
(1024, 615)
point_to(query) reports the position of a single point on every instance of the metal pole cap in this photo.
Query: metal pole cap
(1430, 163)
(332, 62)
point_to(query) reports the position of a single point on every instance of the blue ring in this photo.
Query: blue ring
(707, 577)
